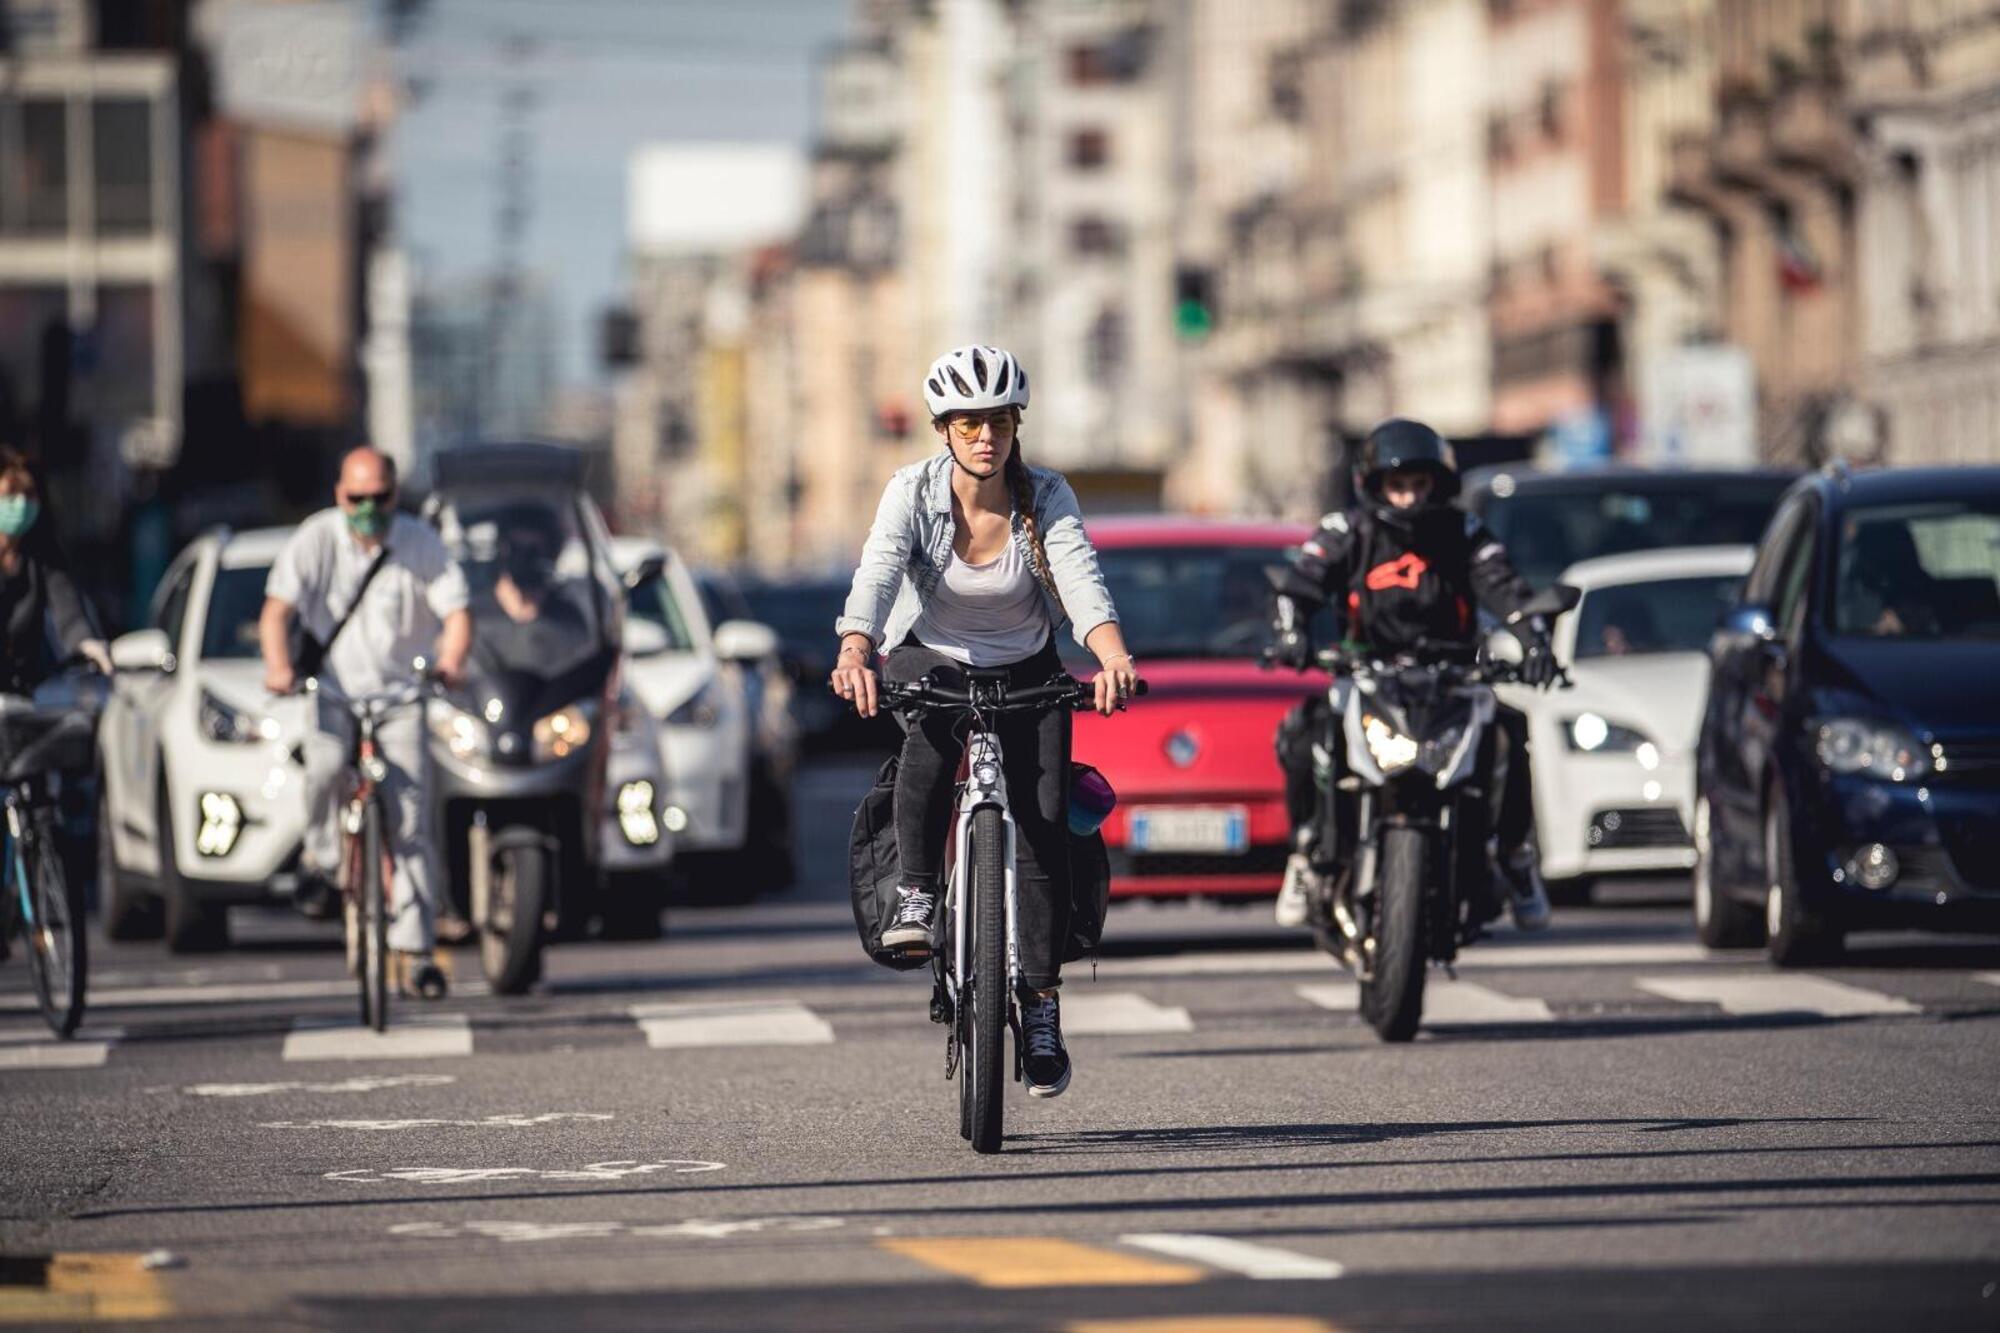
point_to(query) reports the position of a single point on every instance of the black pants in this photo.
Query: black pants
(1504, 757)
(1035, 747)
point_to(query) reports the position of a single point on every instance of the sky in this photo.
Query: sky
(607, 76)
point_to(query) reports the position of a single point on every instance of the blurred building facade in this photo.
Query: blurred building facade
(1228, 239)
(188, 214)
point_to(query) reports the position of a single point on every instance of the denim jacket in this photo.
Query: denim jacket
(909, 548)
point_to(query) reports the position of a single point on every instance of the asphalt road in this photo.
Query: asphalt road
(747, 1126)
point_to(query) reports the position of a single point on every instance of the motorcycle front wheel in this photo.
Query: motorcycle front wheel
(510, 939)
(1392, 996)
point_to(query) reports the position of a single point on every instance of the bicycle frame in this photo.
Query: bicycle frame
(22, 898)
(985, 786)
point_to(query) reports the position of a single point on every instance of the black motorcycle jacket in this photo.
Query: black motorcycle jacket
(1396, 580)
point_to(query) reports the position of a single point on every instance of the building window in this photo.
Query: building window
(1088, 66)
(34, 166)
(1551, 110)
(1105, 355)
(1089, 150)
(1096, 236)
(122, 150)
(1118, 58)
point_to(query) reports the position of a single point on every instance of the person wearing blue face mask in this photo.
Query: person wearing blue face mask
(37, 594)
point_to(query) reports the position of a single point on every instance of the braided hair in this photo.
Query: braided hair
(1023, 488)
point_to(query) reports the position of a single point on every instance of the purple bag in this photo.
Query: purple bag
(1091, 800)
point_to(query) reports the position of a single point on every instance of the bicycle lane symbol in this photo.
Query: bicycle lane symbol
(476, 1175)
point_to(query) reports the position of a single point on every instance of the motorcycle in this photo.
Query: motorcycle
(1418, 884)
(522, 751)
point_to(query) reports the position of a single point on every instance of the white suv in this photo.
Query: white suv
(729, 790)
(202, 804)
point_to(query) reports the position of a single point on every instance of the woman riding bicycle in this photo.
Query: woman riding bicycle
(974, 560)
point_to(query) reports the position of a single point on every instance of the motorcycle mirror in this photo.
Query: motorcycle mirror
(1553, 600)
(645, 572)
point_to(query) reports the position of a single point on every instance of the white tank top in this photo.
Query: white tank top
(986, 615)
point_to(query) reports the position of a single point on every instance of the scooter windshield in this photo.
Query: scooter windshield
(535, 609)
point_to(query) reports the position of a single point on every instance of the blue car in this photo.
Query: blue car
(1848, 775)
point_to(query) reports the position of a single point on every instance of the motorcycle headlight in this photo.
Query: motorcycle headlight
(562, 733)
(466, 736)
(703, 708)
(1881, 749)
(232, 726)
(1591, 734)
(1389, 747)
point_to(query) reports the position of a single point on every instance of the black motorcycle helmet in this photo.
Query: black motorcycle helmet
(1399, 445)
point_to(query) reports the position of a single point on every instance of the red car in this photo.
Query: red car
(1201, 805)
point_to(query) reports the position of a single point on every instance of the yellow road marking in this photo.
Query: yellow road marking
(87, 1287)
(1038, 1261)
(1207, 1323)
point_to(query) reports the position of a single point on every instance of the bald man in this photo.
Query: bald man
(413, 607)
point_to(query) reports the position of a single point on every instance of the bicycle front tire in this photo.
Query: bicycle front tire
(986, 995)
(57, 948)
(374, 923)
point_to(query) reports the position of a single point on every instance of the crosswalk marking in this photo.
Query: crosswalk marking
(1495, 956)
(1037, 1261)
(38, 1049)
(1756, 996)
(1205, 1323)
(731, 1023)
(1119, 1013)
(1989, 978)
(247, 992)
(1452, 1003)
(1235, 1256)
(410, 1039)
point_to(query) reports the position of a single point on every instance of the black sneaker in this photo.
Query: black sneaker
(1047, 1061)
(914, 913)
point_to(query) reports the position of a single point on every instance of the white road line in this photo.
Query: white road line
(731, 1023)
(1480, 958)
(1446, 1003)
(1989, 978)
(249, 992)
(1235, 1256)
(407, 1039)
(1758, 996)
(1119, 1013)
(35, 1048)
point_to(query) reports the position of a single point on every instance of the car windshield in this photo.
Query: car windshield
(1193, 601)
(528, 566)
(1658, 616)
(655, 603)
(1547, 528)
(234, 604)
(1919, 571)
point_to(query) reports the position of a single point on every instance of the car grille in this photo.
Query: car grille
(1648, 826)
(1266, 860)
(1974, 845)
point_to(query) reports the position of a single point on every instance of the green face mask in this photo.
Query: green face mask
(17, 514)
(368, 519)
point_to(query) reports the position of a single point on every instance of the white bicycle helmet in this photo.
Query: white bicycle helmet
(975, 379)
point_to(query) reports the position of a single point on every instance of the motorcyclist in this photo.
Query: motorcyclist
(1402, 566)
(526, 623)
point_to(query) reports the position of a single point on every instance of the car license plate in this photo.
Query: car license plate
(1224, 829)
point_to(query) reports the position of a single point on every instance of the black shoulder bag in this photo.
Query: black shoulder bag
(309, 654)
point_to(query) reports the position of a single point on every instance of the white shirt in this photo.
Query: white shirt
(399, 617)
(986, 615)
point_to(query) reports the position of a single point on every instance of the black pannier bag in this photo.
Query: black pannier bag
(874, 873)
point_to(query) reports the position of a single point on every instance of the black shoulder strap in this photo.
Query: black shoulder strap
(381, 557)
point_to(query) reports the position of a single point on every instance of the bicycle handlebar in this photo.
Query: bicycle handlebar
(1426, 653)
(1078, 695)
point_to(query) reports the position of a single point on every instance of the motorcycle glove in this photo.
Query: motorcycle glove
(1538, 656)
(1290, 644)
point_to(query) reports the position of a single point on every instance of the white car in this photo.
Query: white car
(1614, 757)
(729, 811)
(202, 802)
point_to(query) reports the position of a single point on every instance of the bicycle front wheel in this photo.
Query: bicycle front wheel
(374, 922)
(57, 949)
(985, 992)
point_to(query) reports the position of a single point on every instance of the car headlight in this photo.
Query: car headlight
(232, 726)
(1591, 734)
(1861, 745)
(562, 733)
(466, 736)
(703, 708)
(1390, 748)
